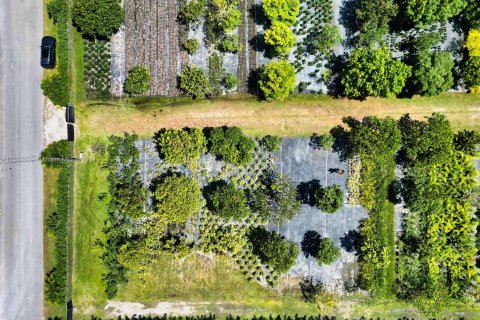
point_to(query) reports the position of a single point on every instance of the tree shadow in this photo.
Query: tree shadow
(310, 243)
(256, 11)
(348, 18)
(341, 143)
(310, 289)
(336, 63)
(351, 241)
(306, 191)
(252, 84)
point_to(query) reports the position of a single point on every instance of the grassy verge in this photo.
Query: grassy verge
(50, 177)
(88, 287)
(300, 115)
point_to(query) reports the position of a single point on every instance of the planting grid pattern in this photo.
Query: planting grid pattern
(151, 39)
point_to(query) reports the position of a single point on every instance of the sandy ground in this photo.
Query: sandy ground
(55, 127)
(121, 308)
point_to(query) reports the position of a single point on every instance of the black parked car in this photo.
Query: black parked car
(47, 59)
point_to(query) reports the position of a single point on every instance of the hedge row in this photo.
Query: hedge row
(57, 224)
(56, 87)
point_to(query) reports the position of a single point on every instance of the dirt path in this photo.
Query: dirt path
(298, 116)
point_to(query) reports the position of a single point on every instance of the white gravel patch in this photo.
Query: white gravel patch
(123, 308)
(118, 68)
(54, 124)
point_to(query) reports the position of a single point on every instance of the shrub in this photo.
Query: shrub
(97, 18)
(328, 252)
(176, 198)
(467, 142)
(473, 43)
(370, 72)
(138, 80)
(280, 37)
(271, 143)
(273, 249)
(277, 80)
(432, 74)
(192, 12)
(471, 72)
(230, 145)
(194, 82)
(55, 87)
(191, 46)
(229, 43)
(283, 194)
(227, 201)
(230, 81)
(215, 73)
(182, 146)
(329, 199)
(59, 149)
(327, 39)
(285, 11)
(321, 141)
(373, 17)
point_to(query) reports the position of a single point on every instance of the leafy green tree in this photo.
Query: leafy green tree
(273, 249)
(426, 12)
(285, 11)
(228, 202)
(180, 147)
(326, 39)
(373, 17)
(471, 14)
(370, 72)
(138, 80)
(277, 80)
(329, 199)
(426, 142)
(224, 14)
(374, 137)
(328, 252)
(467, 142)
(194, 82)
(97, 18)
(471, 73)
(230, 81)
(432, 73)
(55, 87)
(51, 156)
(191, 46)
(280, 37)
(176, 198)
(271, 143)
(230, 145)
(192, 12)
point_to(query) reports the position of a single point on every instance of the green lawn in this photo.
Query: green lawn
(88, 289)
(300, 115)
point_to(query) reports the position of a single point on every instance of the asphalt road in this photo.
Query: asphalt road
(21, 255)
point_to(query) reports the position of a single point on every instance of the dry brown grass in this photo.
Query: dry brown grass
(298, 116)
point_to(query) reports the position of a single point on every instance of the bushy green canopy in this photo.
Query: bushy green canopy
(280, 37)
(328, 252)
(230, 145)
(176, 198)
(432, 74)
(273, 249)
(277, 80)
(373, 17)
(285, 11)
(426, 12)
(228, 202)
(180, 147)
(194, 81)
(138, 80)
(329, 199)
(97, 18)
(373, 72)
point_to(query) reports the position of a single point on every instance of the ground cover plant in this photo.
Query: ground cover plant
(97, 74)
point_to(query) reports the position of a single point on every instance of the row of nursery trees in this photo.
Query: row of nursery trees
(436, 254)
(228, 217)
